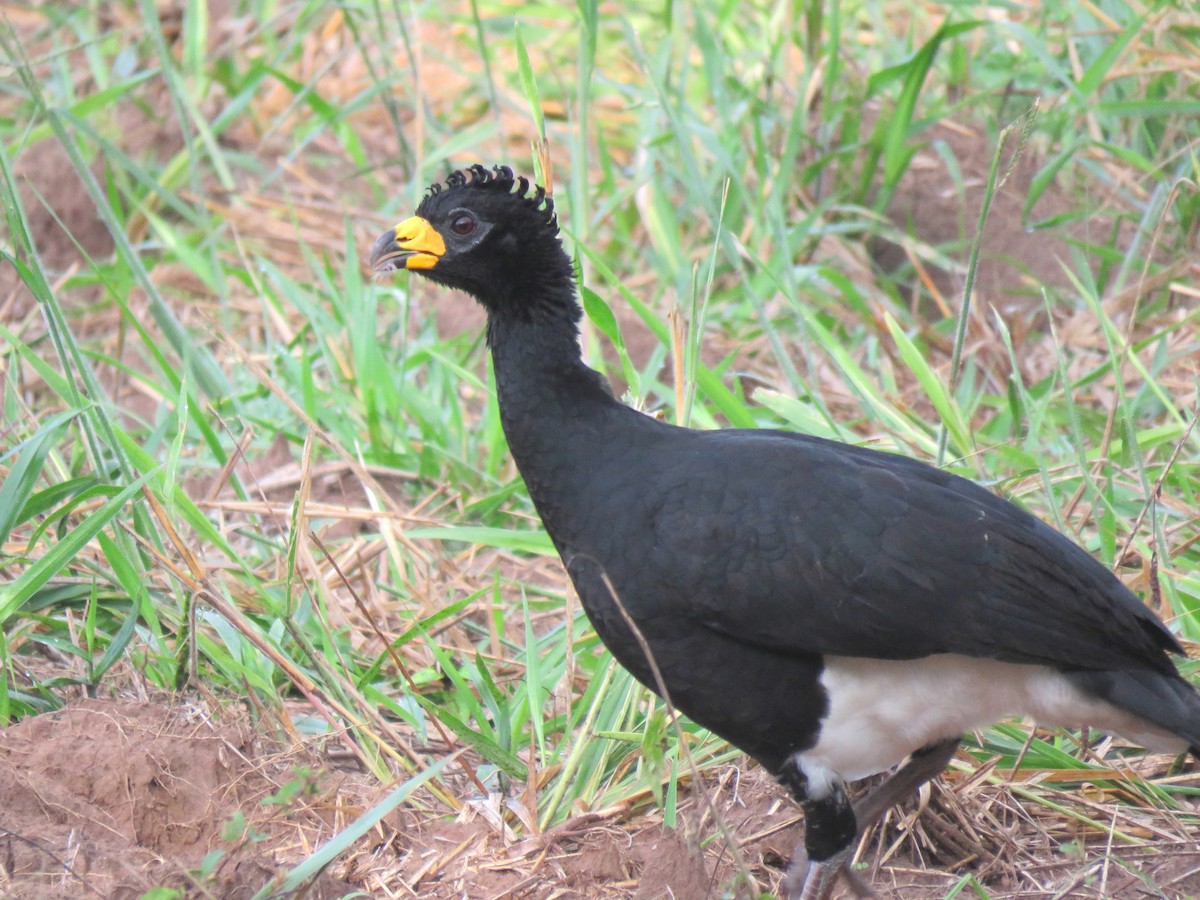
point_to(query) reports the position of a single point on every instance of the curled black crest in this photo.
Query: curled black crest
(499, 178)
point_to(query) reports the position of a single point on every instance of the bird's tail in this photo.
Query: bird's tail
(1165, 702)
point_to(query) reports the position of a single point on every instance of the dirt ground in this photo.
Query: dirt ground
(110, 798)
(115, 797)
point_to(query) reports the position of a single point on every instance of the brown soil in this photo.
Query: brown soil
(110, 798)
(941, 212)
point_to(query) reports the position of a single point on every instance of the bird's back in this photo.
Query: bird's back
(786, 549)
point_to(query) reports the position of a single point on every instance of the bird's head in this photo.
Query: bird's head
(491, 234)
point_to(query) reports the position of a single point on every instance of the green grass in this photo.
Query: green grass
(720, 165)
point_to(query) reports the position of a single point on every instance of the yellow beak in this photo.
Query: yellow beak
(413, 244)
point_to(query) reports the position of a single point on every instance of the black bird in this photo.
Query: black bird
(828, 609)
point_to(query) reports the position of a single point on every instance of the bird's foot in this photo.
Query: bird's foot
(813, 880)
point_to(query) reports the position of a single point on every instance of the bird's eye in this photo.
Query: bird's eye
(463, 225)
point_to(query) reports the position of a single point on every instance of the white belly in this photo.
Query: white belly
(882, 710)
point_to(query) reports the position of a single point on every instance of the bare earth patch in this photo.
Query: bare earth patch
(112, 798)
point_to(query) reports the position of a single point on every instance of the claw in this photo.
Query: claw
(817, 882)
(807, 880)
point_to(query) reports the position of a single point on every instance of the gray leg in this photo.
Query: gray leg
(815, 880)
(923, 765)
(830, 829)
(832, 825)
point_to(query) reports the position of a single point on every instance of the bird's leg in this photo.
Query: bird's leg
(813, 880)
(829, 832)
(832, 824)
(921, 766)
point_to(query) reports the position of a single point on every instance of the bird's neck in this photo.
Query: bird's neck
(547, 395)
(549, 340)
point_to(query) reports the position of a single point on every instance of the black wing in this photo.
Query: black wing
(796, 543)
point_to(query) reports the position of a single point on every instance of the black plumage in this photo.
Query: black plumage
(799, 596)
